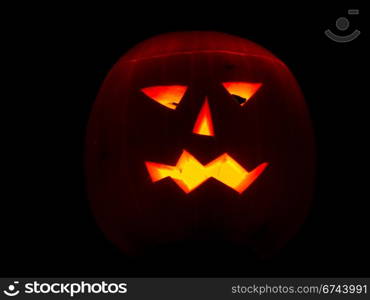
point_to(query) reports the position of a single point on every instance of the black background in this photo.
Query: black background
(61, 59)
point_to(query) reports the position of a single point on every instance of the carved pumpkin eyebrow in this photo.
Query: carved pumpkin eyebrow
(167, 95)
(242, 91)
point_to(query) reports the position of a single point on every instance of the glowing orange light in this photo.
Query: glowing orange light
(203, 124)
(189, 173)
(242, 89)
(167, 95)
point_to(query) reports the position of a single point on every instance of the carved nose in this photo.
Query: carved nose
(204, 125)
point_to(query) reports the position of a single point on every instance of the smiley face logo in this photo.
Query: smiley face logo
(343, 24)
(11, 291)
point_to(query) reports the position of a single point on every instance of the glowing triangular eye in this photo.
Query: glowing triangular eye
(167, 95)
(242, 91)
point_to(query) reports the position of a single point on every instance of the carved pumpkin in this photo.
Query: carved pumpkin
(199, 136)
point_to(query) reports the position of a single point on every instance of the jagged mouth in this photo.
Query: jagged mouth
(189, 173)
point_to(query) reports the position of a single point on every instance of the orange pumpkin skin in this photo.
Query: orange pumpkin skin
(127, 129)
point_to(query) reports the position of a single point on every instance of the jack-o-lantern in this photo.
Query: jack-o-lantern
(199, 136)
